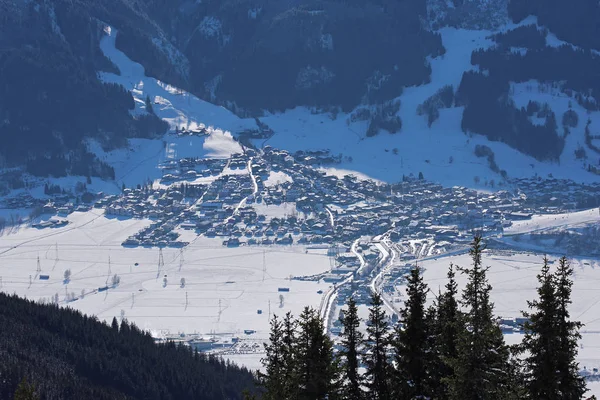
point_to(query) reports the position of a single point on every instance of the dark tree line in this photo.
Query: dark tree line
(443, 98)
(527, 36)
(489, 109)
(262, 59)
(572, 21)
(577, 68)
(49, 352)
(490, 112)
(452, 349)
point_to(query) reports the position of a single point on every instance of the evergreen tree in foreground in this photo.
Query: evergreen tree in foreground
(289, 374)
(410, 342)
(571, 385)
(299, 361)
(448, 329)
(375, 353)
(439, 352)
(272, 380)
(540, 342)
(481, 368)
(317, 371)
(351, 340)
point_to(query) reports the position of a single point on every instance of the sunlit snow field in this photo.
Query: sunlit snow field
(213, 274)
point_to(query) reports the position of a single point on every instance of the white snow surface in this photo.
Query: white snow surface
(176, 106)
(276, 178)
(549, 221)
(213, 273)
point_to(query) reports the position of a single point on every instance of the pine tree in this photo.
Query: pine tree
(317, 371)
(290, 373)
(274, 364)
(375, 353)
(571, 384)
(410, 341)
(540, 343)
(149, 106)
(448, 328)
(481, 368)
(115, 325)
(434, 362)
(25, 391)
(351, 340)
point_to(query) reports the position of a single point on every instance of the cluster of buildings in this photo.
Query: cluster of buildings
(234, 199)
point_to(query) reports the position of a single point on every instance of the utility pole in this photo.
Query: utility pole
(186, 300)
(269, 309)
(39, 267)
(161, 261)
(219, 318)
(109, 271)
(181, 260)
(264, 270)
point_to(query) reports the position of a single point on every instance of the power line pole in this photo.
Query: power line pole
(161, 260)
(219, 318)
(181, 260)
(186, 300)
(109, 271)
(264, 269)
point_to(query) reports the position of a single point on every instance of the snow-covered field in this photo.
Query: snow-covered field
(548, 221)
(225, 287)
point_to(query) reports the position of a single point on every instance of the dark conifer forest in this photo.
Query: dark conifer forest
(47, 352)
(489, 109)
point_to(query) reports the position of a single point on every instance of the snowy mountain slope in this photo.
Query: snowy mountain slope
(181, 110)
(177, 107)
(423, 149)
(441, 152)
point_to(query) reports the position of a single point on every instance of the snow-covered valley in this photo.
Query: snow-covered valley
(289, 231)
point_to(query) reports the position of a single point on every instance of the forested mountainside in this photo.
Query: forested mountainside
(523, 54)
(270, 54)
(62, 354)
(50, 96)
(250, 55)
(257, 55)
